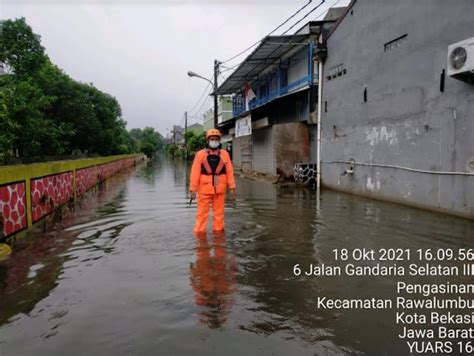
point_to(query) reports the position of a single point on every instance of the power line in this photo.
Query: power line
(253, 45)
(329, 8)
(222, 76)
(200, 98)
(198, 112)
(230, 68)
(277, 28)
(305, 16)
(319, 16)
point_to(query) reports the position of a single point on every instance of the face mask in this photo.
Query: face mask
(214, 144)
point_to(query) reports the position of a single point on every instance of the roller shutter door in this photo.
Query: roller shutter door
(263, 156)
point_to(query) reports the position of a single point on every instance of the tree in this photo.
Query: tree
(20, 48)
(8, 128)
(195, 142)
(150, 141)
(45, 112)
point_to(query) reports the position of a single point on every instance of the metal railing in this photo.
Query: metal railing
(239, 105)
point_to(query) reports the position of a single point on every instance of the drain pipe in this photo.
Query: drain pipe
(320, 102)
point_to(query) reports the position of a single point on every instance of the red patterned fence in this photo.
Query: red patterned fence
(13, 207)
(49, 191)
(86, 178)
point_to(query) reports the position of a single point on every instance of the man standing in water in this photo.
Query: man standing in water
(211, 174)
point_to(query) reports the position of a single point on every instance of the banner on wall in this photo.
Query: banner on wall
(243, 126)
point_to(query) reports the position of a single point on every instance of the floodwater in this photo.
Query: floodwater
(122, 274)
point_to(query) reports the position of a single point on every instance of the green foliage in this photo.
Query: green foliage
(150, 136)
(20, 48)
(6, 133)
(147, 148)
(188, 135)
(195, 141)
(45, 112)
(172, 149)
(147, 140)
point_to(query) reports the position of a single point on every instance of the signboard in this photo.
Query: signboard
(243, 126)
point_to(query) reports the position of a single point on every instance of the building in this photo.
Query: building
(224, 112)
(195, 128)
(395, 124)
(208, 119)
(178, 135)
(274, 96)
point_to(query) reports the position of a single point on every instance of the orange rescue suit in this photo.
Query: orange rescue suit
(211, 174)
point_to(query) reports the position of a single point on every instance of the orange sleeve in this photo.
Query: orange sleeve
(195, 172)
(229, 169)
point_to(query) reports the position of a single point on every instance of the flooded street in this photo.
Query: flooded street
(123, 274)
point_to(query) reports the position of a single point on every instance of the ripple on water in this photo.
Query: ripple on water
(127, 274)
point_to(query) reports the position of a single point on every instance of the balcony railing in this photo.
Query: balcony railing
(239, 102)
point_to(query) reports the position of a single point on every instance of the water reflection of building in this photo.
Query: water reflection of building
(213, 281)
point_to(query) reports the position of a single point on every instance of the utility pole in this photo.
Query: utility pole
(186, 130)
(216, 74)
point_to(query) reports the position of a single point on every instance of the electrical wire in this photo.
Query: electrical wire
(305, 16)
(276, 49)
(314, 9)
(329, 8)
(200, 98)
(222, 77)
(253, 45)
(198, 112)
(276, 29)
(400, 167)
(231, 68)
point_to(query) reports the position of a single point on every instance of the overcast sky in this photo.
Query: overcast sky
(140, 51)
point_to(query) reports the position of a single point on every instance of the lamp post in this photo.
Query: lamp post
(214, 85)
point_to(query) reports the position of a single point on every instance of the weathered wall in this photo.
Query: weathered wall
(276, 153)
(273, 150)
(406, 121)
(290, 108)
(291, 144)
(313, 144)
(237, 152)
(30, 192)
(242, 153)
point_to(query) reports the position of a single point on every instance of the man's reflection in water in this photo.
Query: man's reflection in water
(213, 281)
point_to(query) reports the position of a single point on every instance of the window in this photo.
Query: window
(441, 81)
(397, 42)
(336, 71)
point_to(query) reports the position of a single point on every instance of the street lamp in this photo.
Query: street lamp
(192, 74)
(216, 73)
